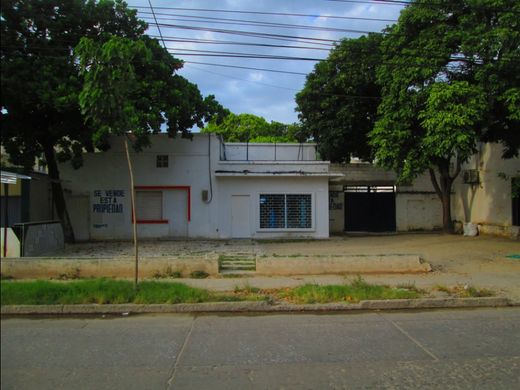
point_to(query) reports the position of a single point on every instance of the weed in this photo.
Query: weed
(442, 288)
(356, 291)
(465, 291)
(246, 289)
(72, 274)
(5, 277)
(199, 275)
(410, 286)
(167, 273)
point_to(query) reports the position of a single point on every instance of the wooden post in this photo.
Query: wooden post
(134, 216)
(6, 216)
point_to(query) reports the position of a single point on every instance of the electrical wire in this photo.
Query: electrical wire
(265, 13)
(155, 19)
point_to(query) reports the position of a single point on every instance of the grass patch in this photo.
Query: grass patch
(110, 291)
(101, 291)
(356, 291)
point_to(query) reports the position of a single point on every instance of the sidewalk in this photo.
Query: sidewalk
(480, 262)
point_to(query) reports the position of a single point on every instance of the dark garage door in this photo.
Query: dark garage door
(370, 209)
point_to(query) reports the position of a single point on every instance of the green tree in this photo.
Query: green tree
(130, 85)
(338, 103)
(252, 128)
(449, 78)
(128, 82)
(40, 83)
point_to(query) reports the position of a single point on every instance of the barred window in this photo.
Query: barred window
(162, 161)
(285, 211)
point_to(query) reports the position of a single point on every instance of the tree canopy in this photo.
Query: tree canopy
(41, 85)
(338, 103)
(252, 128)
(448, 80)
(446, 75)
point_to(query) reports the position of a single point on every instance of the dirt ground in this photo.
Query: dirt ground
(480, 261)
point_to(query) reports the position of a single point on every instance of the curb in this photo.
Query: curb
(256, 307)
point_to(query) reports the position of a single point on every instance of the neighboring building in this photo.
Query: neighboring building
(483, 194)
(28, 200)
(365, 198)
(200, 188)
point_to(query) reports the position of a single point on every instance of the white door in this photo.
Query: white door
(240, 223)
(177, 204)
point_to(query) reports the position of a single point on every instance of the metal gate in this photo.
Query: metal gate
(369, 208)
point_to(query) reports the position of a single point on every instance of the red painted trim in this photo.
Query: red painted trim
(186, 188)
(162, 187)
(152, 221)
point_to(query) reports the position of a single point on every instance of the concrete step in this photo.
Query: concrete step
(237, 262)
(239, 266)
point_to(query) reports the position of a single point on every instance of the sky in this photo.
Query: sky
(192, 28)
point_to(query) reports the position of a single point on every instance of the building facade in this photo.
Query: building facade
(487, 192)
(200, 188)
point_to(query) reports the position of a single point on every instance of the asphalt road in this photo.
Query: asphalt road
(467, 349)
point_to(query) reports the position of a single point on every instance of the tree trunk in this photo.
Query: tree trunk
(444, 193)
(57, 193)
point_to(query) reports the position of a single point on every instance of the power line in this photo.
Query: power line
(247, 67)
(250, 56)
(262, 25)
(265, 13)
(259, 34)
(234, 43)
(155, 19)
(256, 22)
(241, 79)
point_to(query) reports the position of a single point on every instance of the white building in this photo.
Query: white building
(200, 188)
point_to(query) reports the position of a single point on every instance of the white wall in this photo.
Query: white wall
(417, 205)
(189, 166)
(254, 186)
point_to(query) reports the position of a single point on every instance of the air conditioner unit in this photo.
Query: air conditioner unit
(470, 176)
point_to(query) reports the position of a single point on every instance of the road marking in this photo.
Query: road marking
(416, 342)
(177, 360)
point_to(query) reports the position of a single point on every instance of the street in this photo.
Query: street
(441, 349)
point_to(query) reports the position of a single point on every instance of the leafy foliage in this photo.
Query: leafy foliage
(131, 85)
(448, 81)
(128, 82)
(438, 97)
(252, 128)
(338, 103)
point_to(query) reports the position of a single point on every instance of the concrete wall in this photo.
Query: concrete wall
(104, 179)
(252, 187)
(417, 205)
(42, 239)
(120, 267)
(13, 243)
(489, 202)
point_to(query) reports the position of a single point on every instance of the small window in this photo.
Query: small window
(162, 161)
(148, 205)
(285, 211)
